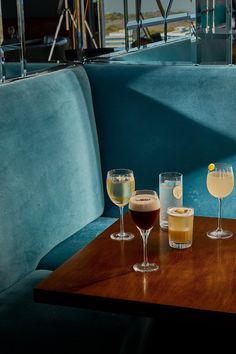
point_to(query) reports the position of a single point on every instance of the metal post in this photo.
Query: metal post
(207, 16)
(169, 7)
(213, 15)
(101, 23)
(2, 66)
(138, 10)
(164, 15)
(167, 12)
(67, 15)
(229, 23)
(21, 31)
(2, 55)
(126, 20)
(83, 25)
(1, 25)
(79, 32)
(162, 11)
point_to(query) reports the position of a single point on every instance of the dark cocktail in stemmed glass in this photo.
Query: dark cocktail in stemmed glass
(144, 206)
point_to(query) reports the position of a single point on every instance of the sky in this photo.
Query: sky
(149, 5)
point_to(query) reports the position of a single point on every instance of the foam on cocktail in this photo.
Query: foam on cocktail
(180, 211)
(144, 202)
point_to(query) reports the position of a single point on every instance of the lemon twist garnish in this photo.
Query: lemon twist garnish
(181, 211)
(177, 192)
(211, 167)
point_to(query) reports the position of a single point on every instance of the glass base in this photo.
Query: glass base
(126, 236)
(164, 225)
(145, 267)
(219, 234)
(180, 246)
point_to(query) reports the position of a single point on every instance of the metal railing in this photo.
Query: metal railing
(141, 23)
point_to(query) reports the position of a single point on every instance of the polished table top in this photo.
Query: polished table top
(197, 280)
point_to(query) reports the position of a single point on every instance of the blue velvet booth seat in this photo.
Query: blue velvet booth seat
(60, 133)
(51, 205)
(12, 70)
(174, 51)
(155, 118)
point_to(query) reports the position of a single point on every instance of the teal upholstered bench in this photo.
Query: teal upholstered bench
(173, 51)
(51, 205)
(54, 158)
(155, 118)
(13, 69)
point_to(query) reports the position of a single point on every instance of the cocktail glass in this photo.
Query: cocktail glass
(120, 185)
(144, 207)
(220, 184)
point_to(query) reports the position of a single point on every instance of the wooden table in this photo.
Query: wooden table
(199, 282)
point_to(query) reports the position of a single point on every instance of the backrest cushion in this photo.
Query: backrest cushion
(157, 118)
(50, 176)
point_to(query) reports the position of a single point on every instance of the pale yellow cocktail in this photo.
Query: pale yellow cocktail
(220, 184)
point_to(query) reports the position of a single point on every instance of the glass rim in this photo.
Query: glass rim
(180, 207)
(171, 174)
(118, 171)
(144, 191)
(225, 164)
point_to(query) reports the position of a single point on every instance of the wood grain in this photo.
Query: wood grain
(201, 279)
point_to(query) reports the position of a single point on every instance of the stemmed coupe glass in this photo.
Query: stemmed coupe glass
(120, 185)
(144, 206)
(220, 183)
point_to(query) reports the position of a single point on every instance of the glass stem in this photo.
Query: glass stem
(145, 234)
(219, 214)
(121, 221)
